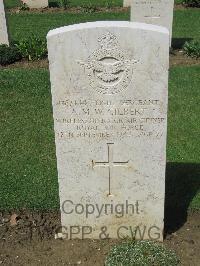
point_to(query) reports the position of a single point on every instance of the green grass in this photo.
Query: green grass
(11, 3)
(15, 3)
(186, 23)
(28, 163)
(23, 25)
(141, 253)
(183, 110)
(183, 149)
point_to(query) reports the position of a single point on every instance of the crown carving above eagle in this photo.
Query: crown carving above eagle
(108, 41)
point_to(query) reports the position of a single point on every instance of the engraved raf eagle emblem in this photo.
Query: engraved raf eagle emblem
(109, 69)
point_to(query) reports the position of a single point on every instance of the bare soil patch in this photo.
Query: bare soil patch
(28, 239)
(82, 9)
(86, 9)
(28, 64)
(178, 58)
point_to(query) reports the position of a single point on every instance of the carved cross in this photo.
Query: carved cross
(153, 15)
(110, 164)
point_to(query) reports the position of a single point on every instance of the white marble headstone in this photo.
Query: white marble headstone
(3, 27)
(36, 3)
(158, 12)
(109, 83)
(127, 3)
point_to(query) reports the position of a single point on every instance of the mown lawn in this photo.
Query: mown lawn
(186, 22)
(11, 3)
(24, 25)
(28, 163)
(15, 3)
(183, 148)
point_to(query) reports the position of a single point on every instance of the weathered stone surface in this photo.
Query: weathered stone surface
(36, 3)
(109, 84)
(3, 27)
(158, 12)
(127, 3)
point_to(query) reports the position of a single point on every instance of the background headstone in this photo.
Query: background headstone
(127, 3)
(3, 27)
(109, 84)
(158, 12)
(36, 3)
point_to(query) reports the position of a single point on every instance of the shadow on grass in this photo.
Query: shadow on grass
(53, 4)
(182, 184)
(178, 43)
(56, 3)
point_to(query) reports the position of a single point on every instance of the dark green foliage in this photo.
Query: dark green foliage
(192, 3)
(33, 48)
(192, 49)
(63, 3)
(24, 7)
(8, 55)
(74, 3)
(141, 253)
